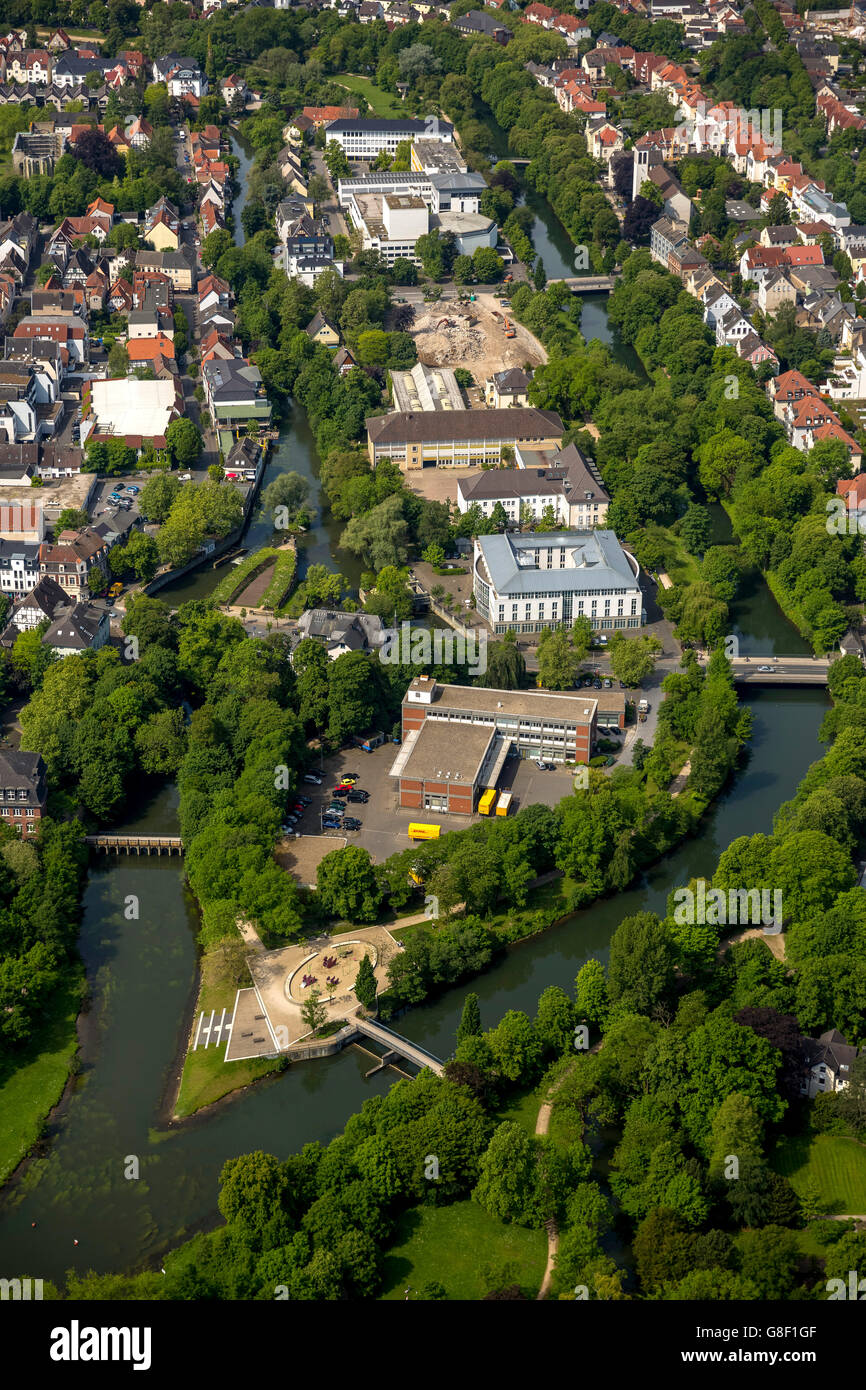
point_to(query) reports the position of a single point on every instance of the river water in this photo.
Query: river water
(142, 972)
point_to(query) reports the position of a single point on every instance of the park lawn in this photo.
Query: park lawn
(522, 1108)
(451, 1245)
(33, 1082)
(382, 103)
(206, 1077)
(836, 1164)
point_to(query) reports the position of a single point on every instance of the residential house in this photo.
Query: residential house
(23, 790)
(79, 628)
(827, 1063)
(322, 330)
(507, 388)
(69, 559)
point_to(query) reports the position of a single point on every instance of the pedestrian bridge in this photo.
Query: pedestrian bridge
(395, 1043)
(591, 284)
(136, 844)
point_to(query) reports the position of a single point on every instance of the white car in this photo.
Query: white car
(184, 477)
(766, 668)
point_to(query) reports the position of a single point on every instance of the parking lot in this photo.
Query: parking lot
(384, 824)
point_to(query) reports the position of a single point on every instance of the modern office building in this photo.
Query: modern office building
(547, 579)
(457, 739)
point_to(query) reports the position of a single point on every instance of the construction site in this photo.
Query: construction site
(478, 335)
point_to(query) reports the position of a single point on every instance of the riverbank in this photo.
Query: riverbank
(36, 1084)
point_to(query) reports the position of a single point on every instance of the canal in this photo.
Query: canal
(142, 972)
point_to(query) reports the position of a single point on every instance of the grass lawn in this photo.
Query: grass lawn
(206, 1077)
(382, 103)
(522, 1108)
(34, 1082)
(836, 1164)
(451, 1246)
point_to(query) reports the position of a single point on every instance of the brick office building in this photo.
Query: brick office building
(457, 738)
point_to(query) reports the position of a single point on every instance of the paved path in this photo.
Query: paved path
(542, 1125)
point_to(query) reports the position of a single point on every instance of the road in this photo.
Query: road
(804, 670)
(329, 212)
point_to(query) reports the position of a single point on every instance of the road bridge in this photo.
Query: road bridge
(781, 670)
(395, 1043)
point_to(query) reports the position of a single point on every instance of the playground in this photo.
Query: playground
(331, 972)
(278, 977)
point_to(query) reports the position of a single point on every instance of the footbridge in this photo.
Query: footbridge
(136, 844)
(395, 1043)
(591, 284)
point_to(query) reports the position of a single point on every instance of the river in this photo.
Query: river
(142, 971)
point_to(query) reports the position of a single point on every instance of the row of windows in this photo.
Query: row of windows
(558, 598)
(540, 624)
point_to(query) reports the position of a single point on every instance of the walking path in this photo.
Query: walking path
(542, 1125)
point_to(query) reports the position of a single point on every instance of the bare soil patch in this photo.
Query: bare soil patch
(448, 334)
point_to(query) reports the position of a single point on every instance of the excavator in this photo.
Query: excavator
(510, 330)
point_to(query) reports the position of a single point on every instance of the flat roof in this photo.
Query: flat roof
(529, 704)
(444, 753)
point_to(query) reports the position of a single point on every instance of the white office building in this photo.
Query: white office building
(546, 580)
(364, 139)
(566, 481)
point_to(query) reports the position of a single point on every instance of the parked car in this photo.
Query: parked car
(607, 684)
(350, 776)
(313, 779)
(133, 489)
(342, 787)
(357, 795)
(304, 800)
(542, 767)
(184, 477)
(350, 823)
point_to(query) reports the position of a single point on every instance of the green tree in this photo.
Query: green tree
(591, 998)
(347, 885)
(313, 1011)
(632, 659)
(184, 443)
(118, 360)
(641, 966)
(366, 987)
(470, 1019)
(557, 661)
